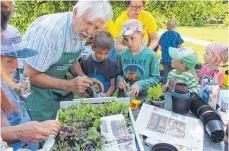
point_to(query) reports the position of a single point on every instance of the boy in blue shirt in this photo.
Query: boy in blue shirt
(170, 38)
(137, 65)
(98, 65)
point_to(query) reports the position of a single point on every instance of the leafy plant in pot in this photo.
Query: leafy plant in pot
(155, 96)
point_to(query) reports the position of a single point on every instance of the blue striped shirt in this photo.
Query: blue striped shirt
(51, 35)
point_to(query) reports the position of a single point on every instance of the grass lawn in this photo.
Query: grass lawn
(212, 33)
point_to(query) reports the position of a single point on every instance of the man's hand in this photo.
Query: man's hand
(77, 85)
(52, 125)
(135, 89)
(32, 132)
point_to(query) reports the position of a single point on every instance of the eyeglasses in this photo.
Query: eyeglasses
(137, 7)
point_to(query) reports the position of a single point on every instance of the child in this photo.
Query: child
(98, 65)
(183, 59)
(216, 53)
(169, 39)
(137, 65)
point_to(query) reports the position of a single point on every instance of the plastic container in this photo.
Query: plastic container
(159, 104)
(164, 147)
(215, 130)
(98, 101)
(181, 105)
(185, 95)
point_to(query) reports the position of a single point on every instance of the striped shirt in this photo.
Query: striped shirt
(184, 77)
(51, 35)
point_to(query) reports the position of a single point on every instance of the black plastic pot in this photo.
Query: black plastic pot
(159, 104)
(164, 147)
(180, 105)
(215, 130)
(211, 120)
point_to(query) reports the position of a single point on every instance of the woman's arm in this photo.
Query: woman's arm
(30, 133)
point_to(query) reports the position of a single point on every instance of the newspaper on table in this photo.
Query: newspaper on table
(159, 125)
(116, 133)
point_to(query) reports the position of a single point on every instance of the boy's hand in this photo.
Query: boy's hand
(135, 89)
(106, 95)
(94, 80)
(165, 87)
(122, 84)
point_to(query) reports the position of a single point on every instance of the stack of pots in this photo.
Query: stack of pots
(181, 98)
(211, 120)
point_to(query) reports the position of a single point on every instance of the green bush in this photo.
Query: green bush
(187, 13)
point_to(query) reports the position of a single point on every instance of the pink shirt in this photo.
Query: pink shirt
(204, 72)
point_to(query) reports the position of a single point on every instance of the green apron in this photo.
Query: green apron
(43, 103)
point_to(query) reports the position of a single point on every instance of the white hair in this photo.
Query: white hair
(96, 9)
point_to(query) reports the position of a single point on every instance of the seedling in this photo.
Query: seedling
(80, 126)
(155, 93)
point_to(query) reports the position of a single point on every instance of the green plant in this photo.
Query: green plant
(187, 13)
(154, 93)
(80, 125)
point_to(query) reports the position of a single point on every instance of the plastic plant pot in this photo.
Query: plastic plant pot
(215, 130)
(181, 95)
(181, 87)
(180, 105)
(164, 147)
(159, 104)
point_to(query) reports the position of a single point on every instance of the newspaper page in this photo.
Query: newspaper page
(116, 133)
(160, 125)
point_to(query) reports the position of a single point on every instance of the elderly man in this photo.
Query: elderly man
(59, 39)
(135, 10)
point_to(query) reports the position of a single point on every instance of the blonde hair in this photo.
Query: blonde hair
(219, 52)
(171, 24)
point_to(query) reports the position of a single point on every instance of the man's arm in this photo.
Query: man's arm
(40, 79)
(153, 38)
(119, 44)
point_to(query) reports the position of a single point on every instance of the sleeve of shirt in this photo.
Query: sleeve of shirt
(113, 70)
(119, 68)
(117, 28)
(154, 75)
(110, 27)
(179, 39)
(170, 77)
(46, 47)
(151, 22)
(193, 85)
